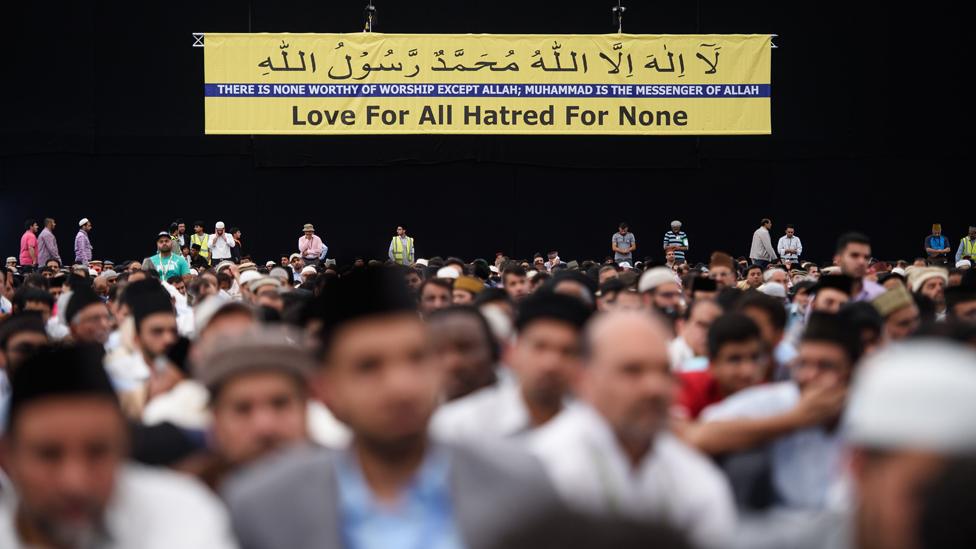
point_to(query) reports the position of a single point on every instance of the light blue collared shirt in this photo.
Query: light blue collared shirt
(422, 518)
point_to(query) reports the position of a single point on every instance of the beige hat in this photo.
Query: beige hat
(219, 225)
(892, 301)
(308, 227)
(263, 281)
(918, 275)
(469, 283)
(259, 350)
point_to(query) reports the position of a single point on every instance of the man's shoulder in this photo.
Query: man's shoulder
(269, 482)
(759, 401)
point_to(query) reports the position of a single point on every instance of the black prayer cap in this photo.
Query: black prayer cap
(360, 294)
(146, 297)
(955, 295)
(25, 321)
(703, 284)
(69, 371)
(178, 353)
(576, 276)
(80, 298)
(552, 306)
(835, 329)
(840, 282)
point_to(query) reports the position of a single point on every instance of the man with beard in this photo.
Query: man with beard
(65, 448)
(167, 263)
(394, 486)
(544, 358)
(612, 453)
(660, 289)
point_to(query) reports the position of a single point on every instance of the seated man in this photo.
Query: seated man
(736, 360)
(797, 418)
(65, 448)
(611, 454)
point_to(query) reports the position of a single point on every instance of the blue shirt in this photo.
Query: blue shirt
(422, 518)
(679, 238)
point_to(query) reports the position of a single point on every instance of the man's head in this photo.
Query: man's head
(435, 293)
(623, 228)
(827, 353)
(164, 243)
(31, 225)
(49, 223)
(626, 376)
(607, 272)
(831, 293)
(413, 279)
(721, 269)
(219, 228)
(754, 276)
(64, 444)
(936, 229)
(660, 289)
(377, 372)
(676, 226)
(466, 289)
(21, 335)
(930, 282)
(790, 231)
(777, 276)
(180, 227)
(769, 315)
(198, 227)
(669, 256)
(546, 353)
(694, 329)
(88, 317)
(853, 255)
(515, 282)
(154, 317)
(401, 231)
(767, 223)
(258, 392)
(961, 303)
(28, 299)
(266, 292)
(737, 356)
(85, 225)
(910, 411)
(177, 283)
(465, 347)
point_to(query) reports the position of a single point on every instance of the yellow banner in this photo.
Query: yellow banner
(373, 83)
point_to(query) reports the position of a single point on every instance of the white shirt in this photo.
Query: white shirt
(220, 246)
(683, 357)
(673, 482)
(793, 243)
(150, 509)
(497, 411)
(806, 464)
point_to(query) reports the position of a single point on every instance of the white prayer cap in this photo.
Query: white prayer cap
(248, 276)
(963, 264)
(773, 289)
(447, 272)
(422, 262)
(309, 270)
(898, 271)
(675, 223)
(219, 225)
(625, 265)
(270, 264)
(919, 395)
(83, 222)
(493, 269)
(654, 278)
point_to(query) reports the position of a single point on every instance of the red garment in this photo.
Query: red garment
(697, 391)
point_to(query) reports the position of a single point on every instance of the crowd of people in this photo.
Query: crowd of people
(196, 398)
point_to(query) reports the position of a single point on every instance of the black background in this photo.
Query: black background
(103, 118)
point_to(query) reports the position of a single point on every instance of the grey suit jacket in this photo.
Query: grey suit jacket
(291, 501)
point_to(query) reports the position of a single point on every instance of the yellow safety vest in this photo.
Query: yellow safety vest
(399, 252)
(204, 242)
(968, 247)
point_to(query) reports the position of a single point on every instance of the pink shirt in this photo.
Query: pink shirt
(310, 249)
(28, 242)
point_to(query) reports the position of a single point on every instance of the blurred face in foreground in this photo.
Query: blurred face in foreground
(627, 376)
(62, 454)
(546, 360)
(380, 378)
(463, 349)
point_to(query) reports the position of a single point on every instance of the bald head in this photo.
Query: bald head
(627, 377)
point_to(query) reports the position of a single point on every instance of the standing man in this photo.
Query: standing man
(967, 246)
(937, 246)
(28, 246)
(401, 248)
(181, 234)
(237, 252)
(220, 244)
(83, 247)
(201, 239)
(166, 262)
(789, 246)
(47, 244)
(762, 252)
(623, 244)
(853, 256)
(310, 246)
(676, 240)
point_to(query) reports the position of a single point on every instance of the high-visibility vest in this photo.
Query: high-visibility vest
(204, 242)
(399, 252)
(968, 247)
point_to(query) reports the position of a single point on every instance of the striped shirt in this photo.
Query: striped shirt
(676, 239)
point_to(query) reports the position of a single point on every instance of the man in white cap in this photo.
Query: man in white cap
(930, 282)
(676, 240)
(83, 247)
(911, 410)
(660, 289)
(220, 244)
